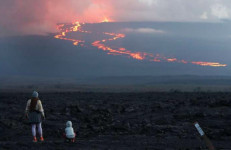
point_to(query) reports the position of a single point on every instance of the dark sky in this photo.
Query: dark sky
(44, 56)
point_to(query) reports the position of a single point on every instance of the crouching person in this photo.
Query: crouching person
(69, 134)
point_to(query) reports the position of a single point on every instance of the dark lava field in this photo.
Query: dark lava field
(120, 121)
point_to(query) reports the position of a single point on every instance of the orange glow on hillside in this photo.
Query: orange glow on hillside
(64, 31)
(213, 64)
(101, 45)
(171, 59)
(106, 20)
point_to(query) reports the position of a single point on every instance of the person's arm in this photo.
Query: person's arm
(27, 108)
(40, 107)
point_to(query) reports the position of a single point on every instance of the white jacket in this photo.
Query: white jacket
(69, 131)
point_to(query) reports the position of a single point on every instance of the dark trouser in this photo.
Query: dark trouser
(69, 139)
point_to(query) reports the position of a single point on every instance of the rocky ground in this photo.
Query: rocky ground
(119, 120)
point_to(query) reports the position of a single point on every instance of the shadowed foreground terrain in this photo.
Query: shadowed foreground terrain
(119, 120)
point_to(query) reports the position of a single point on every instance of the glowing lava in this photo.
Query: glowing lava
(101, 44)
(214, 64)
(106, 20)
(63, 32)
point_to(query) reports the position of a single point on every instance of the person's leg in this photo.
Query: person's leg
(40, 131)
(74, 138)
(33, 129)
(64, 135)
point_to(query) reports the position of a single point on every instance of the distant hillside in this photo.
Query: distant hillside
(153, 80)
(120, 83)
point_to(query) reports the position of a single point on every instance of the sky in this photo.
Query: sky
(20, 17)
(194, 31)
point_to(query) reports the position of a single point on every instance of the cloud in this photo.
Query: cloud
(220, 11)
(204, 15)
(20, 17)
(148, 2)
(144, 30)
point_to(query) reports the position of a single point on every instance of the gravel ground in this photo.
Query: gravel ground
(119, 120)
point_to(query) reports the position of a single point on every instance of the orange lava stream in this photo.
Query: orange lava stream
(101, 44)
(63, 32)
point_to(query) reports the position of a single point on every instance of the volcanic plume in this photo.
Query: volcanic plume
(26, 17)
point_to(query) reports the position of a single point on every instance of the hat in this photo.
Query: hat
(35, 94)
(69, 124)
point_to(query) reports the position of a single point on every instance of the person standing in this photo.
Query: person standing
(34, 112)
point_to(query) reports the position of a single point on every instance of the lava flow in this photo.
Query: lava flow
(106, 20)
(101, 44)
(75, 27)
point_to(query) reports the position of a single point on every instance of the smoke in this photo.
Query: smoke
(23, 17)
(144, 30)
(39, 17)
